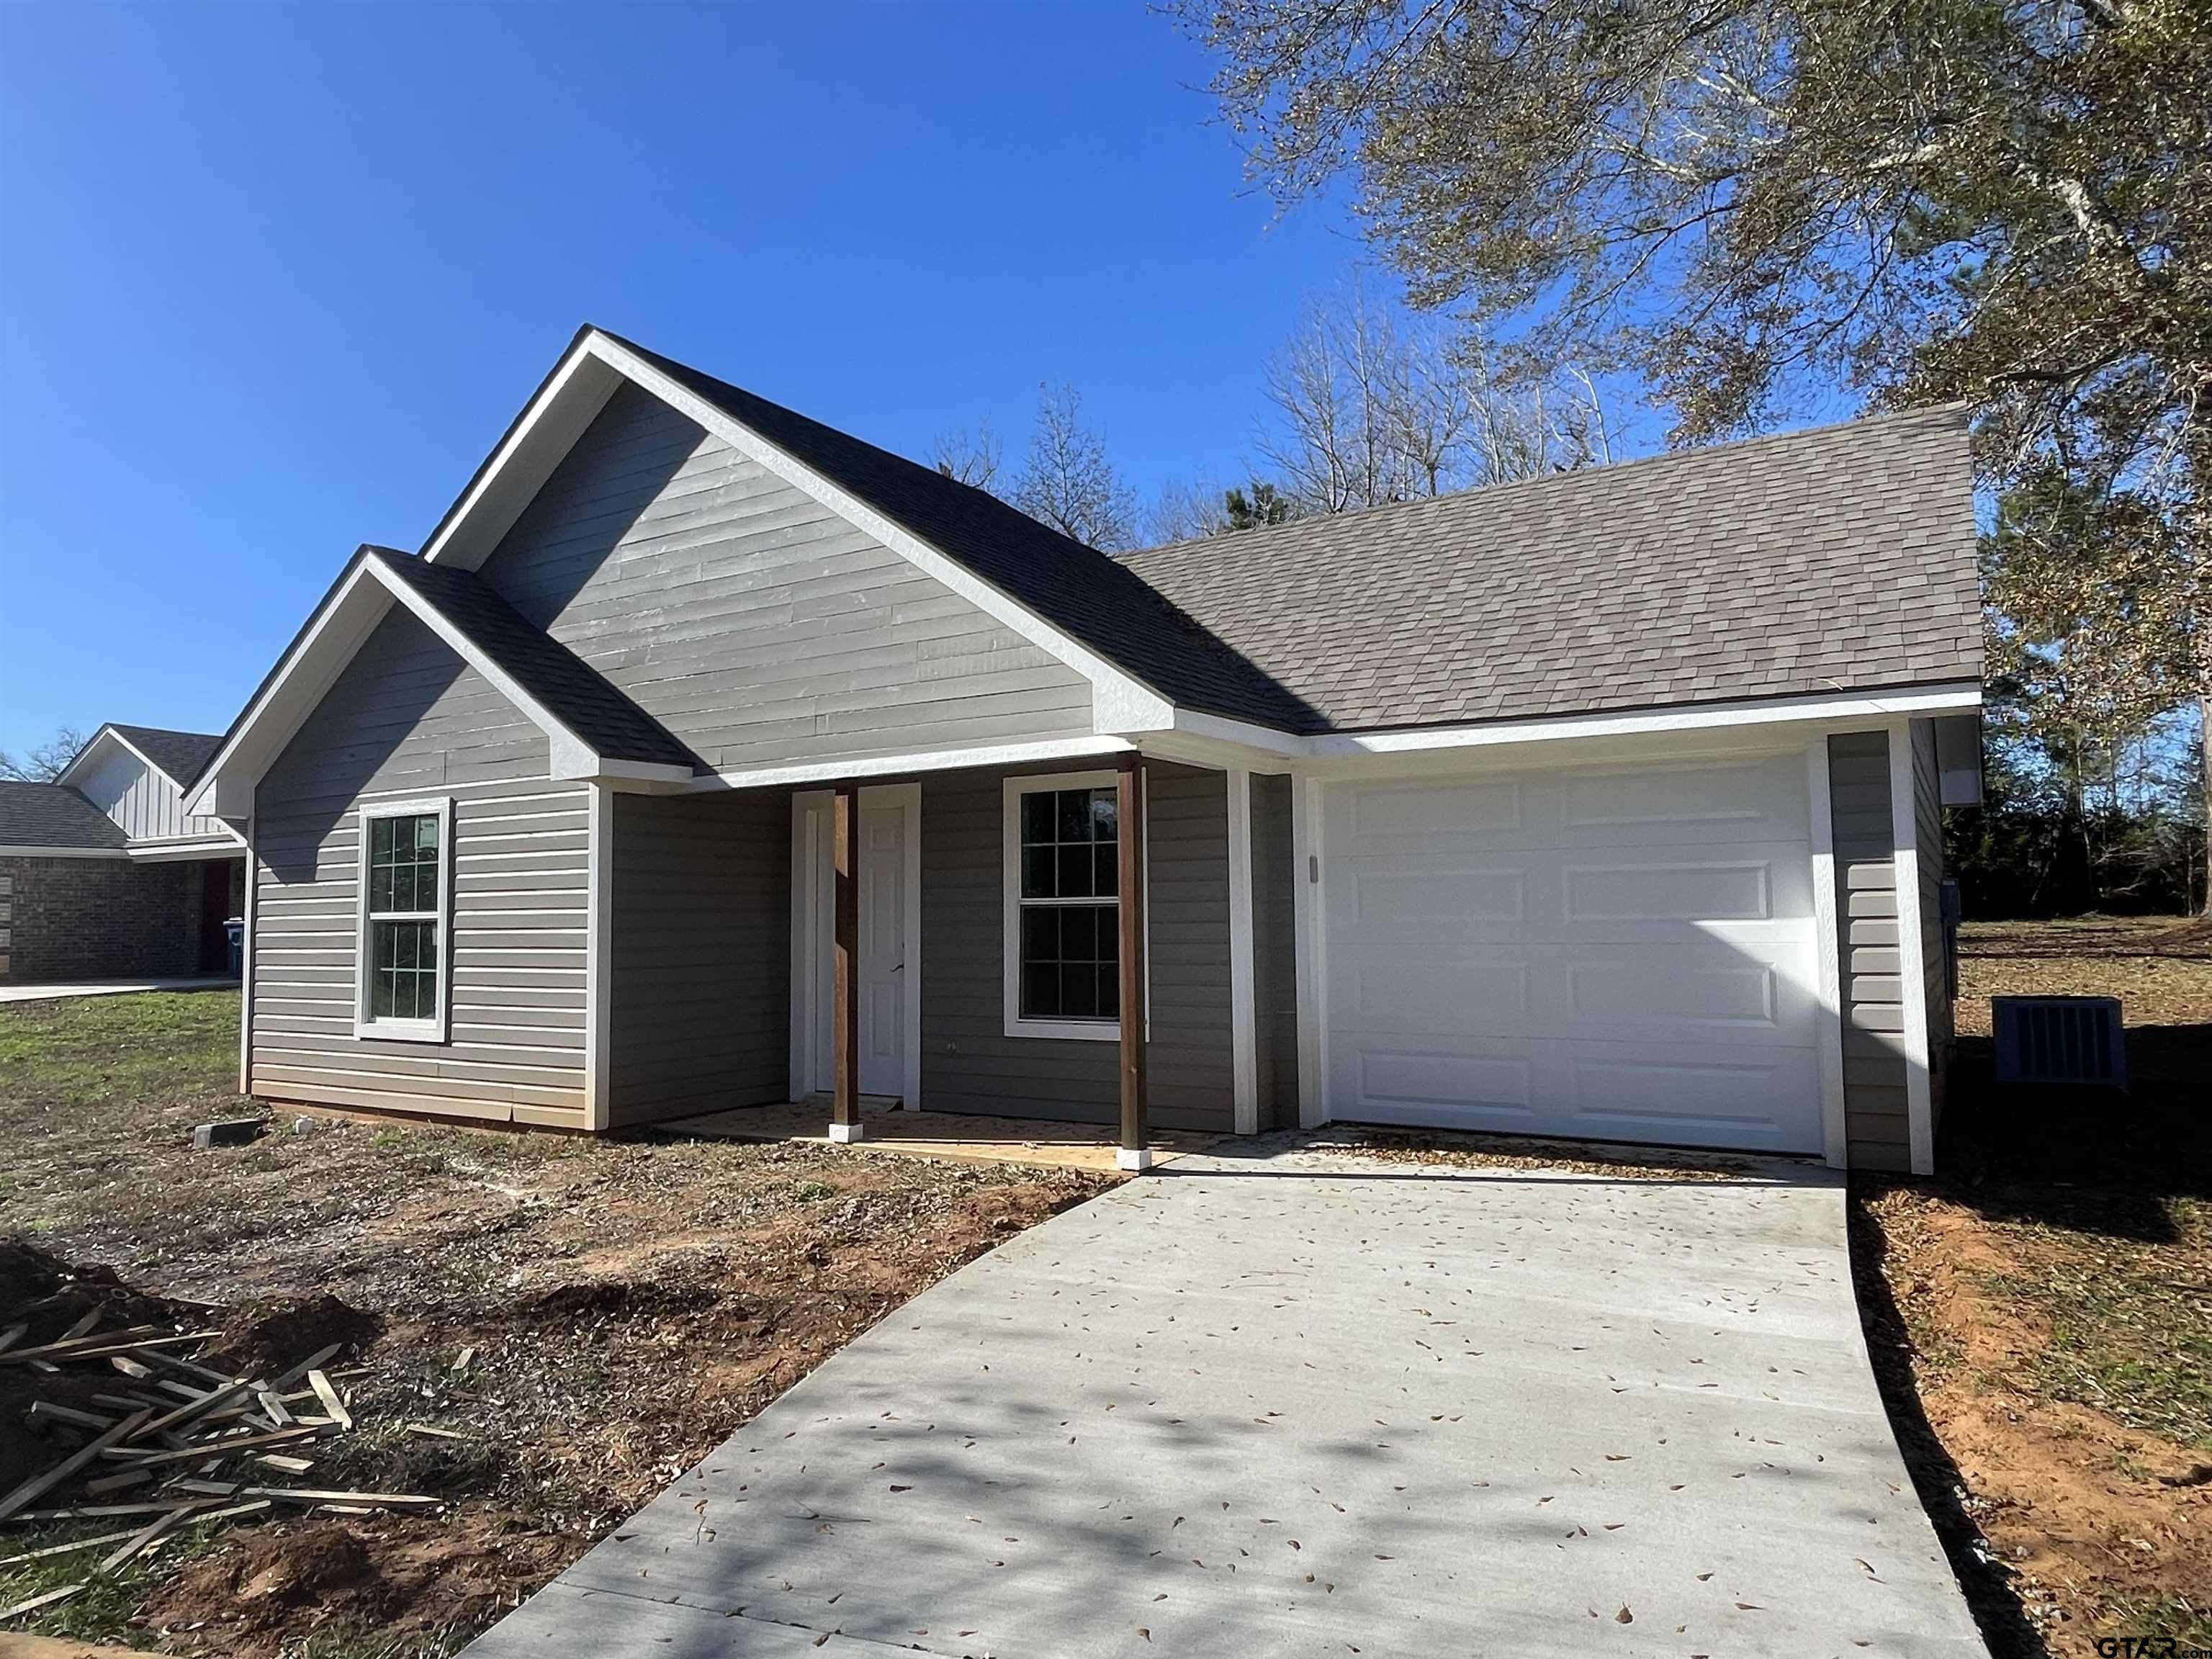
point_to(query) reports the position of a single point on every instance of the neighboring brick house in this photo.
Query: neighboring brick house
(103, 875)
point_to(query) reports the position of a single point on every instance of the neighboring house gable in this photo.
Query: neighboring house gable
(125, 772)
(759, 627)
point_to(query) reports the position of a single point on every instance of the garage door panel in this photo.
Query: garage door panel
(1688, 1096)
(1418, 990)
(1762, 801)
(1625, 953)
(1503, 1085)
(1432, 814)
(1436, 899)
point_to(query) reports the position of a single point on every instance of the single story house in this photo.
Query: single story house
(103, 875)
(706, 756)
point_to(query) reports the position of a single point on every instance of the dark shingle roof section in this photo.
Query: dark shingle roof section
(573, 691)
(1082, 592)
(54, 815)
(181, 754)
(1834, 559)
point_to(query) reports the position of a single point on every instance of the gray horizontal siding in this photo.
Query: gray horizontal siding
(1874, 1113)
(969, 1062)
(700, 973)
(1274, 951)
(759, 627)
(407, 716)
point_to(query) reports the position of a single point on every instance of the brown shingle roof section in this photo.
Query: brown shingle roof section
(1829, 560)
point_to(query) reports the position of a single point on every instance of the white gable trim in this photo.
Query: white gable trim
(108, 734)
(312, 666)
(579, 388)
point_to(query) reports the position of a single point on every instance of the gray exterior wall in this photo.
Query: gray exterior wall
(699, 970)
(1875, 1111)
(759, 627)
(408, 718)
(969, 1064)
(1274, 951)
(66, 919)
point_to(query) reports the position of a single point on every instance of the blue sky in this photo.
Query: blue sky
(273, 278)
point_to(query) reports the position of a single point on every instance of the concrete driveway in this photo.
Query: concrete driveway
(1309, 1404)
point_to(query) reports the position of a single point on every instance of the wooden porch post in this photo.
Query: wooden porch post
(844, 976)
(1135, 1152)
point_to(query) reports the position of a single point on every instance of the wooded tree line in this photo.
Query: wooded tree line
(2004, 203)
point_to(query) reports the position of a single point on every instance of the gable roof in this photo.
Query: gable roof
(54, 815)
(594, 730)
(1836, 559)
(178, 754)
(1078, 589)
(556, 678)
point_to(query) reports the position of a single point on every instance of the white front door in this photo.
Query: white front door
(884, 930)
(889, 1013)
(1619, 952)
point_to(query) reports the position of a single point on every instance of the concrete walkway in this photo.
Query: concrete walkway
(109, 987)
(1312, 1404)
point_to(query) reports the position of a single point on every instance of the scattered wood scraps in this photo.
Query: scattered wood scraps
(191, 1433)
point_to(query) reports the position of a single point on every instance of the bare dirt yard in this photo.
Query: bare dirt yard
(542, 1331)
(2040, 1314)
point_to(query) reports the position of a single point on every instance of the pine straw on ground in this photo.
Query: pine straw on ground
(622, 1308)
(2040, 1314)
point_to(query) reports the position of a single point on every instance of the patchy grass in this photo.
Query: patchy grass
(623, 1307)
(2040, 1314)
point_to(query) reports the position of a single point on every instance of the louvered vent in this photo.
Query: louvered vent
(2059, 1040)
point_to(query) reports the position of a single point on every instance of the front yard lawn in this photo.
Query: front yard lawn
(2041, 1312)
(622, 1308)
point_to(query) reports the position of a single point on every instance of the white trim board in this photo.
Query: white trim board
(1827, 942)
(1912, 964)
(1845, 707)
(937, 760)
(26, 852)
(598, 958)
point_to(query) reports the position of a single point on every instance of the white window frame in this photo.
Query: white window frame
(1010, 862)
(439, 1028)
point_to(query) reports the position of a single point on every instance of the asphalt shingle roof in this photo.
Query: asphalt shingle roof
(1833, 559)
(574, 691)
(53, 815)
(181, 754)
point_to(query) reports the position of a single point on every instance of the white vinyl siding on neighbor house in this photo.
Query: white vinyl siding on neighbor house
(757, 626)
(1621, 952)
(142, 802)
(409, 721)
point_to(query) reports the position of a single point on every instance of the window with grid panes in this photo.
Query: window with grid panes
(405, 913)
(1070, 906)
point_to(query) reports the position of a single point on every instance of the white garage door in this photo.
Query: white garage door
(1617, 954)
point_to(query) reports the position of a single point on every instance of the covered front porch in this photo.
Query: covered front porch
(1072, 960)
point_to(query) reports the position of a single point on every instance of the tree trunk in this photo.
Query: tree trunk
(2204, 754)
